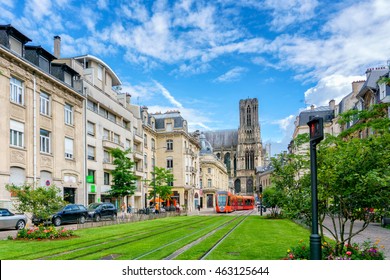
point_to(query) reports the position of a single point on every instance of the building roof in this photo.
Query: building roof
(115, 79)
(373, 75)
(175, 115)
(13, 31)
(324, 112)
(222, 138)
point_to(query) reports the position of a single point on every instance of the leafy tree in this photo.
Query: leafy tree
(123, 178)
(272, 200)
(353, 176)
(161, 182)
(41, 201)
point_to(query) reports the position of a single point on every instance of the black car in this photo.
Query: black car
(71, 213)
(98, 211)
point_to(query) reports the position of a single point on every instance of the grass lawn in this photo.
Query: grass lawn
(256, 238)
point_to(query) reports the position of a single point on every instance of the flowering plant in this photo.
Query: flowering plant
(365, 251)
(42, 232)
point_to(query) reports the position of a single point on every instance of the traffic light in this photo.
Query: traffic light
(316, 128)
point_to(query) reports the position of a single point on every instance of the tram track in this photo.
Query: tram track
(123, 240)
(202, 238)
(204, 256)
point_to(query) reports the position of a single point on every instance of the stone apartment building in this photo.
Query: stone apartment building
(111, 122)
(42, 123)
(213, 175)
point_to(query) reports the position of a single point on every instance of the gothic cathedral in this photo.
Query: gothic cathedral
(241, 150)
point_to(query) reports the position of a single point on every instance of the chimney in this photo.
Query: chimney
(128, 97)
(332, 104)
(57, 46)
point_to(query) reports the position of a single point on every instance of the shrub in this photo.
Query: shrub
(43, 232)
(365, 251)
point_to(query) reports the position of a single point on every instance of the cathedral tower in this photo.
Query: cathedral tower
(249, 147)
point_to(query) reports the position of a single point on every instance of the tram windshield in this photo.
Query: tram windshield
(222, 200)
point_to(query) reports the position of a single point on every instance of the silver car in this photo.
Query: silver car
(11, 220)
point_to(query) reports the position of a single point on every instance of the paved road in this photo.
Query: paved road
(374, 232)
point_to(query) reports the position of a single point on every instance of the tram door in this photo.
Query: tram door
(210, 201)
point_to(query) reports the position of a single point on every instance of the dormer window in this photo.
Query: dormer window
(15, 45)
(44, 64)
(68, 78)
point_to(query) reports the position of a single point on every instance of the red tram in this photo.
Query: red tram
(227, 202)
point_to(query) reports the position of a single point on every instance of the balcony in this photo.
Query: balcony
(137, 155)
(137, 138)
(107, 164)
(111, 143)
(139, 172)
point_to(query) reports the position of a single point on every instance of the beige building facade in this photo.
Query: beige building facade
(42, 122)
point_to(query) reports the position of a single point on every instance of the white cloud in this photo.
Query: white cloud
(232, 75)
(168, 95)
(331, 87)
(288, 12)
(285, 124)
(38, 9)
(9, 3)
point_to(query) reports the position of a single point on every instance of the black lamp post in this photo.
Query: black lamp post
(316, 129)
(260, 196)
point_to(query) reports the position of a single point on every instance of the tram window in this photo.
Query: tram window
(228, 202)
(222, 200)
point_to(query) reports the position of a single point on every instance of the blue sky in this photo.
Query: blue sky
(202, 57)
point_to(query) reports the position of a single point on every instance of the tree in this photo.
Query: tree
(353, 176)
(161, 183)
(123, 178)
(272, 200)
(40, 202)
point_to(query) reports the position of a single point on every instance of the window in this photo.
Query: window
(68, 148)
(128, 144)
(201, 183)
(45, 141)
(169, 126)
(111, 116)
(44, 104)
(209, 170)
(100, 72)
(44, 64)
(145, 141)
(67, 78)
(106, 157)
(91, 128)
(91, 174)
(116, 138)
(169, 145)
(92, 106)
(68, 114)
(16, 134)
(106, 134)
(169, 163)
(106, 178)
(91, 152)
(15, 45)
(153, 144)
(16, 91)
(146, 161)
(209, 183)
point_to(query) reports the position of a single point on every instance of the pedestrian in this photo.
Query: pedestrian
(157, 208)
(198, 207)
(123, 209)
(129, 209)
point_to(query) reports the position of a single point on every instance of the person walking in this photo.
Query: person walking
(123, 210)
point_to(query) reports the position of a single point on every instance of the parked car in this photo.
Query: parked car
(98, 211)
(11, 220)
(71, 213)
